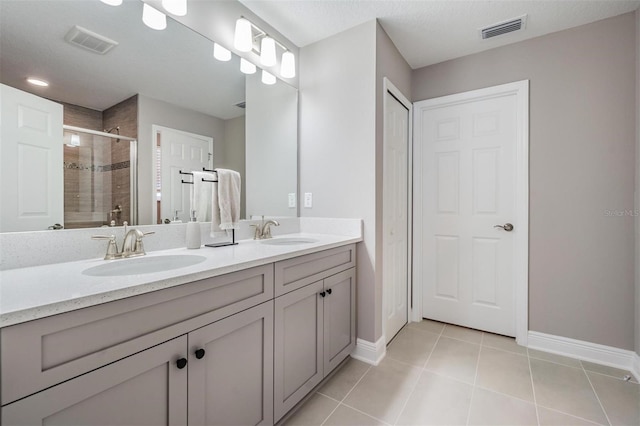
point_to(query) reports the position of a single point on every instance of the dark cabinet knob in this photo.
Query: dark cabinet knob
(328, 291)
(200, 353)
(322, 294)
(181, 363)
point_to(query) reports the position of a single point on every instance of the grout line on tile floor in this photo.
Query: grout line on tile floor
(596, 394)
(362, 412)
(570, 415)
(422, 370)
(503, 394)
(533, 388)
(460, 340)
(633, 380)
(327, 396)
(475, 379)
(555, 362)
(505, 350)
(345, 397)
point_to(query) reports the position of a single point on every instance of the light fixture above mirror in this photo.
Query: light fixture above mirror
(175, 7)
(246, 40)
(153, 18)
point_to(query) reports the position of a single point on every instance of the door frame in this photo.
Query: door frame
(157, 129)
(389, 87)
(521, 240)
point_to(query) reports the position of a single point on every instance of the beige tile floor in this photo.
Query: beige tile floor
(437, 374)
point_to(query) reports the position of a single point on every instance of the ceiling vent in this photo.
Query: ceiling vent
(242, 104)
(89, 40)
(505, 27)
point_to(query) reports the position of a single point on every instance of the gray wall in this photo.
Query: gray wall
(337, 145)
(233, 151)
(271, 147)
(582, 163)
(390, 64)
(637, 181)
(152, 111)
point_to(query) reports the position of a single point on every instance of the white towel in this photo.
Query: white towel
(202, 196)
(227, 215)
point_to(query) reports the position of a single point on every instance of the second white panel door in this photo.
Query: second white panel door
(468, 170)
(181, 151)
(395, 254)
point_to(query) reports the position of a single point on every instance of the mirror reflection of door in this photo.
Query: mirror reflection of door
(177, 150)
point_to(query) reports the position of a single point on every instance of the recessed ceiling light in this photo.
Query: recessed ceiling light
(37, 82)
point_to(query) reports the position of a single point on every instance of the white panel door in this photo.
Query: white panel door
(395, 266)
(181, 151)
(31, 161)
(468, 169)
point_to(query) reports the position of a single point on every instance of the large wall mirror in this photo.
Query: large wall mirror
(164, 89)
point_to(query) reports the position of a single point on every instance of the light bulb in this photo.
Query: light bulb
(268, 78)
(37, 82)
(220, 53)
(112, 2)
(243, 39)
(175, 7)
(247, 67)
(268, 52)
(153, 18)
(288, 65)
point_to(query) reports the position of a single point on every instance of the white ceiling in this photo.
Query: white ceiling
(431, 31)
(175, 65)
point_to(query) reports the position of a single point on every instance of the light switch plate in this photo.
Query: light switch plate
(308, 200)
(292, 200)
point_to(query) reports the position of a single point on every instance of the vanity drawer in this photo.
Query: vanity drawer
(41, 353)
(298, 272)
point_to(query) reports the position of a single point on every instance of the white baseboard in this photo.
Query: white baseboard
(587, 351)
(636, 366)
(371, 353)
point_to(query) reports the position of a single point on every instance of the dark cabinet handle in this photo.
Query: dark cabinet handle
(322, 294)
(328, 291)
(181, 363)
(200, 353)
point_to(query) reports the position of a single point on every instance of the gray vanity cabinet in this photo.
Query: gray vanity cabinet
(314, 332)
(147, 388)
(339, 318)
(231, 370)
(298, 337)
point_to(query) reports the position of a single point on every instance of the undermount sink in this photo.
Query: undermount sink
(288, 241)
(144, 265)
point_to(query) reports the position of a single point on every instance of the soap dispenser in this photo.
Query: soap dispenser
(194, 239)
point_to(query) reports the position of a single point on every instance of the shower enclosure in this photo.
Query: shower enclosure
(100, 178)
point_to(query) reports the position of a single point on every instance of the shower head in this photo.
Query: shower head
(117, 129)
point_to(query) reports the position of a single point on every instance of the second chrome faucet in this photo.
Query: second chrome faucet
(263, 231)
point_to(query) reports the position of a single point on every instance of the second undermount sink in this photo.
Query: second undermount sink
(144, 265)
(288, 241)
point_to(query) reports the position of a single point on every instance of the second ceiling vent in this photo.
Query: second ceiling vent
(505, 27)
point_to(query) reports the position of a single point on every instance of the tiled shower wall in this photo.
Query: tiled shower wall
(109, 184)
(124, 115)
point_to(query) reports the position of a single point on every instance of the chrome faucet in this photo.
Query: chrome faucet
(131, 246)
(263, 231)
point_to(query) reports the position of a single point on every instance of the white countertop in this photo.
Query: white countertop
(36, 292)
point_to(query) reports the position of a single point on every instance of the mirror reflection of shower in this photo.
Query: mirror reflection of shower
(99, 178)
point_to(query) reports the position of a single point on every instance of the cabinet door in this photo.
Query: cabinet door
(231, 370)
(298, 346)
(144, 389)
(339, 318)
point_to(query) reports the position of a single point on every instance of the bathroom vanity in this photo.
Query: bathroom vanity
(220, 342)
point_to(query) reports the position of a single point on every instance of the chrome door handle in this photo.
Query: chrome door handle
(507, 227)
